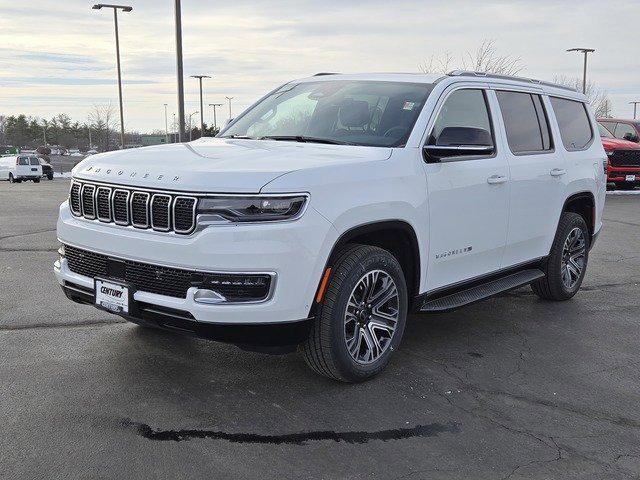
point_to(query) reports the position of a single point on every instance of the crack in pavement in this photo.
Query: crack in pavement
(16, 235)
(60, 325)
(10, 249)
(301, 438)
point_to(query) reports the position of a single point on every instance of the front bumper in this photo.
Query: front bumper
(295, 252)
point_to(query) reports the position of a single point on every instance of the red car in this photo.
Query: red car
(623, 160)
(622, 129)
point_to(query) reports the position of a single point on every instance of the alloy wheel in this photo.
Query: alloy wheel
(371, 316)
(573, 258)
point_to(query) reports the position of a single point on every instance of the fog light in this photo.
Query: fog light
(208, 297)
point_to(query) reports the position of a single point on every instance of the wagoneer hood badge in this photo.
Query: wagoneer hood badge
(217, 165)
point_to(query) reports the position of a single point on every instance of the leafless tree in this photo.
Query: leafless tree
(103, 122)
(598, 97)
(484, 59)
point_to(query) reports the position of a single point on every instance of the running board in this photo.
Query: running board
(482, 291)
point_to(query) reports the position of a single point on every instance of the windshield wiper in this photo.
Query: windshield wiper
(303, 139)
(242, 137)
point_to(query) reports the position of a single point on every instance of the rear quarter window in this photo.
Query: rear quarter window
(23, 161)
(34, 161)
(574, 124)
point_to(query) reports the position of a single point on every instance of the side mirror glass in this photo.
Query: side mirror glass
(630, 137)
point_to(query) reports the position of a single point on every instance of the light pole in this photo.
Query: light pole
(200, 77)
(635, 108)
(229, 98)
(178, 21)
(166, 124)
(89, 130)
(586, 52)
(115, 8)
(215, 120)
(190, 128)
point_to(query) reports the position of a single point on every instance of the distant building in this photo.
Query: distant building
(151, 139)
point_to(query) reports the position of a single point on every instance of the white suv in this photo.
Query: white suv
(335, 206)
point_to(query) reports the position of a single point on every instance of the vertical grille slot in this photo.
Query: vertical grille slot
(103, 204)
(140, 209)
(184, 213)
(160, 212)
(74, 199)
(120, 207)
(88, 201)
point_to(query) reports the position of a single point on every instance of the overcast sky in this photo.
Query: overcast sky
(59, 56)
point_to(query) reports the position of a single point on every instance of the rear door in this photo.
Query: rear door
(36, 168)
(537, 170)
(23, 168)
(468, 196)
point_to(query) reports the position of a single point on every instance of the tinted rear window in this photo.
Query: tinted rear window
(23, 161)
(34, 161)
(525, 122)
(573, 120)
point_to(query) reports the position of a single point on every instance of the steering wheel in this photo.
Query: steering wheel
(392, 131)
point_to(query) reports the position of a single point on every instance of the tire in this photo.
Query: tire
(36, 180)
(326, 350)
(11, 179)
(554, 285)
(50, 176)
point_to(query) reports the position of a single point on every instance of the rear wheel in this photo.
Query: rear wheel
(567, 262)
(361, 319)
(11, 179)
(36, 180)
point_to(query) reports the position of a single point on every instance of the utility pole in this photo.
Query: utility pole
(89, 130)
(635, 108)
(124, 8)
(200, 77)
(229, 98)
(215, 120)
(166, 125)
(586, 52)
(178, 21)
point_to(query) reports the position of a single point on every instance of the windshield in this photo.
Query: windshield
(344, 112)
(604, 133)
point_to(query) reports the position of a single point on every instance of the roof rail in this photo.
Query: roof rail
(470, 73)
(322, 74)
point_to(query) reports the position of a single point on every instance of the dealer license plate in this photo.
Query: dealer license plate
(112, 296)
(630, 178)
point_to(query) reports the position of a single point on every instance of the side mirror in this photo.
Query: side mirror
(630, 137)
(459, 142)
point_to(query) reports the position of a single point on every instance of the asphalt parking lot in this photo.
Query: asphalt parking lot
(513, 387)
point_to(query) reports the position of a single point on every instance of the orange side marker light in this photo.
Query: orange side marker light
(323, 285)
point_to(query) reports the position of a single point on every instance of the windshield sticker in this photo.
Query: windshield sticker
(408, 105)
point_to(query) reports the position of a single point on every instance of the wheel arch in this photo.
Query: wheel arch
(396, 236)
(584, 204)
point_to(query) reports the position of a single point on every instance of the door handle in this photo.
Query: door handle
(557, 172)
(496, 179)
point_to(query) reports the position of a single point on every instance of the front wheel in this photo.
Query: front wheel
(50, 176)
(567, 262)
(361, 319)
(36, 180)
(11, 179)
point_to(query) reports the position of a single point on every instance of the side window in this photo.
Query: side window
(23, 160)
(625, 131)
(611, 126)
(574, 124)
(464, 114)
(525, 122)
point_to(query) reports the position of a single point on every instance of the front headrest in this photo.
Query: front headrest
(354, 113)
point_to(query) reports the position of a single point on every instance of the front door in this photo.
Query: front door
(468, 195)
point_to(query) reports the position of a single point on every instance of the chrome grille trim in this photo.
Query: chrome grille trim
(126, 205)
(169, 207)
(97, 197)
(74, 198)
(132, 206)
(83, 207)
(193, 214)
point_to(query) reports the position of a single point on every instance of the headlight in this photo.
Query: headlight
(253, 209)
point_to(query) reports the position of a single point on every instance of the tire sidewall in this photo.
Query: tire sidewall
(575, 221)
(384, 261)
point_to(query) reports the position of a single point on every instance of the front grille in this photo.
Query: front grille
(625, 158)
(160, 211)
(173, 282)
(184, 214)
(140, 209)
(74, 199)
(88, 201)
(103, 204)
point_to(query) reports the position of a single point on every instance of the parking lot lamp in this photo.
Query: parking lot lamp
(635, 108)
(200, 77)
(124, 8)
(179, 74)
(586, 52)
(215, 119)
(190, 127)
(166, 124)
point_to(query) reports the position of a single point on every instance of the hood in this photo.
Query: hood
(618, 144)
(217, 165)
